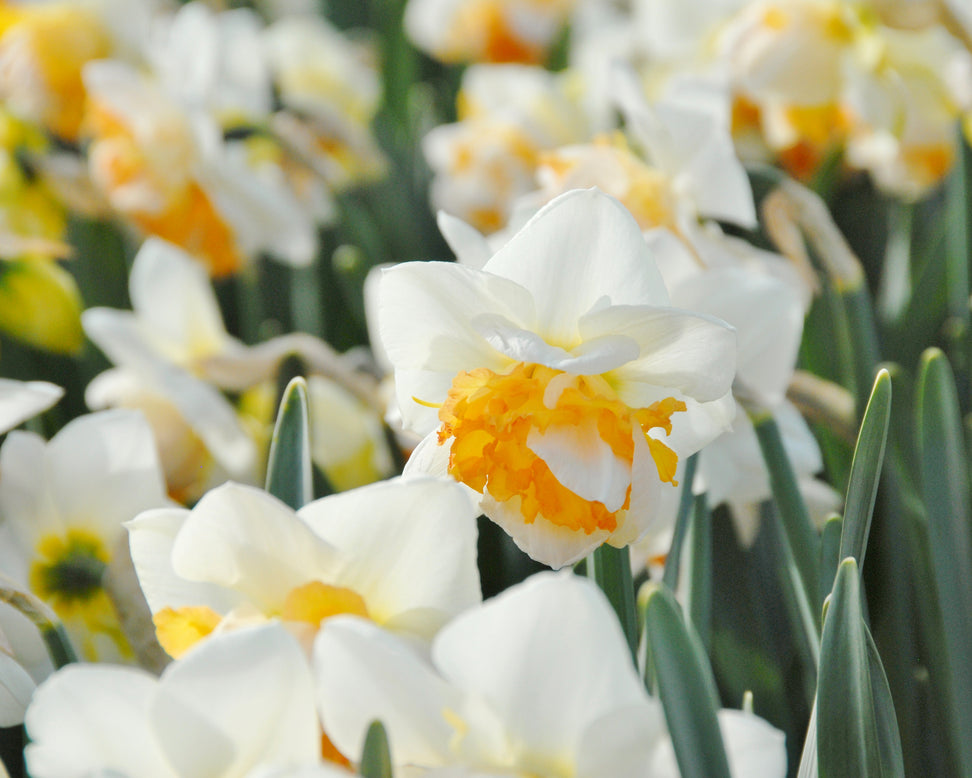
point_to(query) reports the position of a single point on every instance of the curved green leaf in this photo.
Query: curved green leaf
(829, 554)
(866, 470)
(847, 727)
(289, 475)
(685, 686)
(945, 487)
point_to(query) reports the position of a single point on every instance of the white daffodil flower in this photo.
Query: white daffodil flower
(167, 168)
(330, 89)
(63, 504)
(486, 30)
(174, 344)
(557, 382)
(507, 115)
(238, 702)
(402, 554)
(535, 682)
(22, 400)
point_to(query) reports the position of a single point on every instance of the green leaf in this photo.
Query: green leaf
(847, 726)
(375, 756)
(886, 722)
(289, 476)
(685, 686)
(610, 568)
(682, 519)
(866, 470)
(798, 531)
(698, 570)
(945, 487)
(829, 554)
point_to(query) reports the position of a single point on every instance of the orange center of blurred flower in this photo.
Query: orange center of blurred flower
(490, 416)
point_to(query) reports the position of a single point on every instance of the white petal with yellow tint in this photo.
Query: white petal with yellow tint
(407, 547)
(21, 400)
(245, 539)
(578, 250)
(364, 673)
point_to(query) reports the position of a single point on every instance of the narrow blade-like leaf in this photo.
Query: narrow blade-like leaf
(289, 466)
(686, 688)
(866, 470)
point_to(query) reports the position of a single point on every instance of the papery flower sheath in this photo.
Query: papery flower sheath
(557, 382)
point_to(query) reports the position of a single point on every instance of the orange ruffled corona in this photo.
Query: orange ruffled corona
(489, 417)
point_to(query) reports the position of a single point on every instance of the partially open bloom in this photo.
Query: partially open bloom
(238, 702)
(556, 381)
(401, 554)
(535, 682)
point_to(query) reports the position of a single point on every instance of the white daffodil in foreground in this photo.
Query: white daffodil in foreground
(535, 682)
(238, 702)
(402, 554)
(557, 382)
(64, 503)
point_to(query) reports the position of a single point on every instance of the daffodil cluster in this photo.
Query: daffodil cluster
(468, 388)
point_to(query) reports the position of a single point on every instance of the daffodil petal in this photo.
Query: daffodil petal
(556, 545)
(365, 674)
(104, 466)
(255, 689)
(583, 462)
(551, 628)
(87, 718)
(245, 539)
(21, 400)
(151, 536)
(207, 411)
(410, 550)
(687, 351)
(580, 248)
(621, 743)
(426, 309)
(171, 293)
(768, 318)
(592, 357)
(467, 243)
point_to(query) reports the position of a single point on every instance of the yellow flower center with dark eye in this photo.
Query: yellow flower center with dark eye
(490, 416)
(69, 569)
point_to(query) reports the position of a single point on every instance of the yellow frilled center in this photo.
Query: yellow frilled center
(489, 417)
(179, 629)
